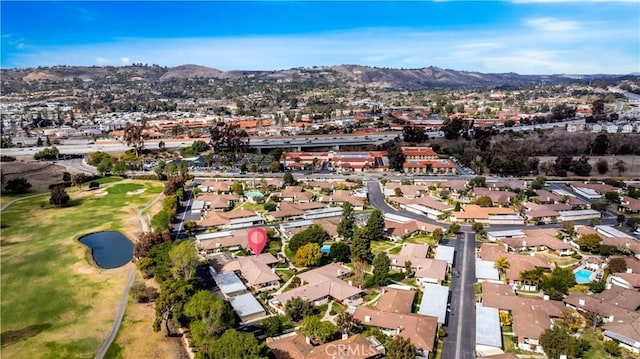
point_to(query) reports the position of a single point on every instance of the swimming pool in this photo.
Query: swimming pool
(583, 276)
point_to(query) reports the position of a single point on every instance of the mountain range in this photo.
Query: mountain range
(355, 75)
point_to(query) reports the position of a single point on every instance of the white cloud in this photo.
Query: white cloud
(552, 24)
(517, 50)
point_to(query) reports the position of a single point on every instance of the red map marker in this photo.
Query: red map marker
(257, 238)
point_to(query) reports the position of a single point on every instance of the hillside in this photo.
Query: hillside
(356, 75)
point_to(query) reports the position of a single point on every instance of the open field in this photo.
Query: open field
(55, 301)
(632, 164)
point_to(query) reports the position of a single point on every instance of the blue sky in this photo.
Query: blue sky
(523, 36)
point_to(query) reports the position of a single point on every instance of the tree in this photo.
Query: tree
(184, 259)
(558, 282)
(228, 137)
(568, 226)
(133, 135)
(360, 245)
(602, 166)
(59, 196)
(600, 145)
(408, 272)
(414, 134)
(401, 348)
(18, 185)
(531, 277)
(597, 286)
(359, 271)
(438, 235)
(477, 227)
(297, 308)
(270, 206)
(620, 166)
(312, 234)
(374, 230)
(453, 228)
(234, 344)
(214, 315)
(340, 252)
(49, 154)
(590, 242)
(78, 179)
(344, 322)
(275, 166)
(308, 255)
(620, 219)
(612, 197)
(288, 179)
(381, 265)
(345, 227)
(617, 265)
(612, 347)
(237, 188)
(272, 326)
(484, 201)
(479, 181)
(318, 330)
(558, 341)
(502, 264)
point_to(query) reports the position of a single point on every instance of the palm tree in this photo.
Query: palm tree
(531, 277)
(502, 264)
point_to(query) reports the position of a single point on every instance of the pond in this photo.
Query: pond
(109, 249)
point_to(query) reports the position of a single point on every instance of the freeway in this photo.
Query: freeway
(292, 142)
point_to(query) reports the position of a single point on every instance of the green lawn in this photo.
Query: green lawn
(54, 302)
(379, 246)
(510, 343)
(421, 238)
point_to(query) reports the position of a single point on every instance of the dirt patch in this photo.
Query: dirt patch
(39, 174)
(13, 336)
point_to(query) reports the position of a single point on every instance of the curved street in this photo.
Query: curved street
(125, 294)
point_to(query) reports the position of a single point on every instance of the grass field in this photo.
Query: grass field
(55, 302)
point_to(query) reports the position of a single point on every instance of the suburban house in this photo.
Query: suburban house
(320, 285)
(630, 205)
(296, 345)
(236, 219)
(424, 160)
(534, 240)
(222, 241)
(618, 309)
(218, 202)
(427, 270)
(399, 227)
(517, 262)
(392, 314)
(488, 215)
(530, 316)
(488, 331)
(215, 186)
(428, 206)
(295, 194)
(497, 197)
(256, 271)
(247, 308)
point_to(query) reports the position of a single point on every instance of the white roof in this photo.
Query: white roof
(197, 205)
(611, 232)
(580, 212)
(561, 192)
(424, 209)
(229, 282)
(445, 253)
(434, 301)
(505, 216)
(488, 326)
(486, 270)
(296, 224)
(396, 218)
(506, 234)
(200, 237)
(246, 305)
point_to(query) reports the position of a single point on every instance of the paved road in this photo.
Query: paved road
(19, 199)
(461, 325)
(116, 325)
(125, 294)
